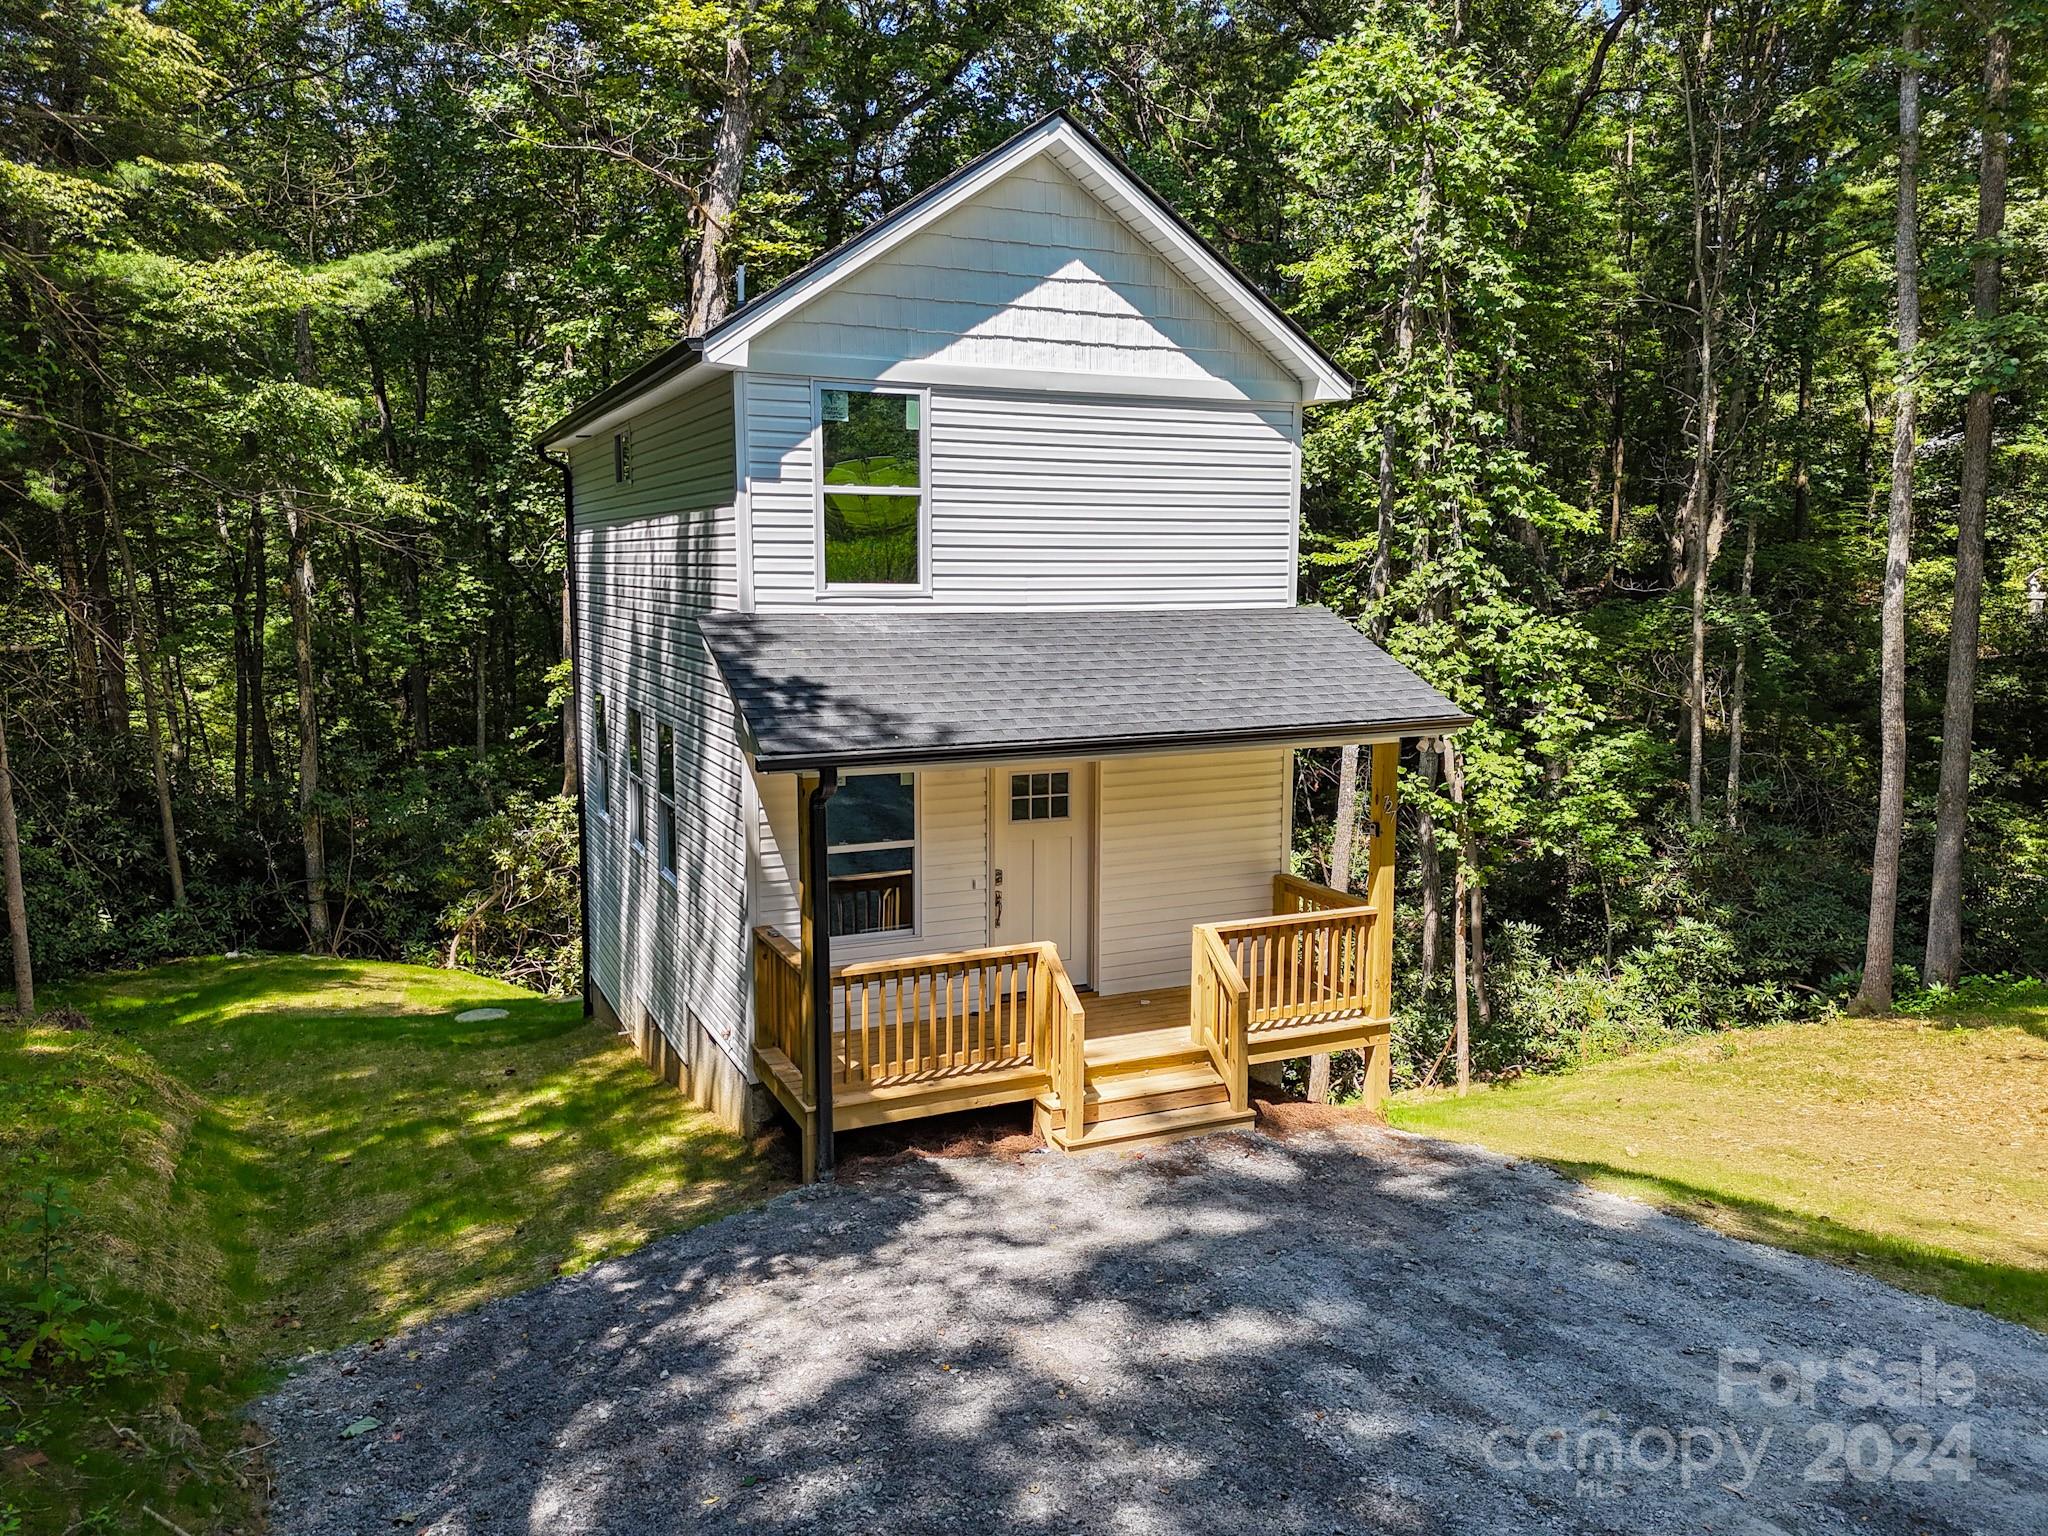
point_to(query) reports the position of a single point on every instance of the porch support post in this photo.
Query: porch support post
(817, 957)
(1379, 890)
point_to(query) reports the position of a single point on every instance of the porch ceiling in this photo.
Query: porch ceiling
(817, 689)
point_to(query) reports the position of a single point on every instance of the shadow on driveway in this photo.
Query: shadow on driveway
(1351, 1331)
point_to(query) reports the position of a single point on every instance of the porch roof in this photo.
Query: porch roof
(817, 689)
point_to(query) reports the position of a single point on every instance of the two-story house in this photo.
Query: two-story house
(940, 674)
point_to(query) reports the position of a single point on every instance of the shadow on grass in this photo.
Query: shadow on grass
(2016, 1292)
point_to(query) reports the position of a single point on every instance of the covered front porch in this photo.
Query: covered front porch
(939, 1033)
(1044, 859)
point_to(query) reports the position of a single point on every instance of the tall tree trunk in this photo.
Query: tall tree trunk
(1429, 869)
(1482, 1002)
(1340, 879)
(483, 698)
(238, 609)
(1380, 577)
(1347, 819)
(256, 556)
(153, 705)
(1738, 687)
(312, 830)
(731, 149)
(1802, 479)
(1944, 958)
(78, 625)
(17, 896)
(1875, 994)
(110, 631)
(1461, 1025)
(1708, 267)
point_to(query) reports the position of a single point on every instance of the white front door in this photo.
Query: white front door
(1043, 871)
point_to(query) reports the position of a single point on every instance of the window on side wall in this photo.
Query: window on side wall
(665, 792)
(871, 854)
(636, 784)
(871, 494)
(600, 758)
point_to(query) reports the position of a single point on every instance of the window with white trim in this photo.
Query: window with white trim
(636, 786)
(665, 793)
(871, 854)
(871, 500)
(600, 757)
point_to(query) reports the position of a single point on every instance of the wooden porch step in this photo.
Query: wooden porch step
(1169, 1048)
(1153, 1128)
(1121, 1095)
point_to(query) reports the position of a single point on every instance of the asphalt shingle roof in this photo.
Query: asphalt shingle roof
(817, 689)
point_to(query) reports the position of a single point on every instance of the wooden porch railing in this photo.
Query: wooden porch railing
(779, 1002)
(1219, 1013)
(1292, 894)
(977, 1010)
(1303, 965)
(1066, 1036)
(927, 1017)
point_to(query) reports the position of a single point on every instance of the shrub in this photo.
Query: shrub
(1548, 1016)
(513, 909)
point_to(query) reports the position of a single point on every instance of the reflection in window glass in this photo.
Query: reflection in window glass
(873, 478)
(636, 786)
(665, 788)
(871, 854)
(1039, 796)
(871, 539)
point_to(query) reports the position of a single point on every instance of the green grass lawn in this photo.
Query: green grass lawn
(1914, 1149)
(271, 1156)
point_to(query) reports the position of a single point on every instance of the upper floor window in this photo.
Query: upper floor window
(600, 757)
(871, 853)
(871, 495)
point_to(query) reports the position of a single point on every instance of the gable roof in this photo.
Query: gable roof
(1081, 154)
(817, 689)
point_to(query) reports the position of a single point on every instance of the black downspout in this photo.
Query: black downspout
(576, 713)
(820, 929)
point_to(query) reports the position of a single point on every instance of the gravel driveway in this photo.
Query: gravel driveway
(1348, 1331)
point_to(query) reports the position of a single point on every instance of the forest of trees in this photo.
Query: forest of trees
(1700, 447)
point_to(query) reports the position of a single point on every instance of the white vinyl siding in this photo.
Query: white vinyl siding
(1037, 274)
(952, 866)
(1186, 839)
(681, 456)
(1044, 501)
(651, 554)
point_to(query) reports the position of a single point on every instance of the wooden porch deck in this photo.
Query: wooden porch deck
(1133, 1025)
(936, 1034)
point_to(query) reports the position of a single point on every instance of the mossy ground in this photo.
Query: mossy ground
(276, 1155)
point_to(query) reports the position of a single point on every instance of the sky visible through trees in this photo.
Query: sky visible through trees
(1639, 469)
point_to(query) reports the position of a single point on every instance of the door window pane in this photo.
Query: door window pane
(1040, 796)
